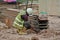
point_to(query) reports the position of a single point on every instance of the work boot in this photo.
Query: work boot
(22, 31)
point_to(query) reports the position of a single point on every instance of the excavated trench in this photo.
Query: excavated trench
(52, 33)
(8, 12)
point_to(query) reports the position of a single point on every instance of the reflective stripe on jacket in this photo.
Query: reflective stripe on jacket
(18, 22)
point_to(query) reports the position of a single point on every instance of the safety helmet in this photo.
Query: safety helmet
(29, 11)
(22, 12)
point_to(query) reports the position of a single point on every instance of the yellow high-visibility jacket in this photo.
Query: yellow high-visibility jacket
(18, 22)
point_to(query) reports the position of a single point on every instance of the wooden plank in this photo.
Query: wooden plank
(17, 10)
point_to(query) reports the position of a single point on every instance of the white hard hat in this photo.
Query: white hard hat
(29, 10)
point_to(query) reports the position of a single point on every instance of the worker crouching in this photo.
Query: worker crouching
(21, 21)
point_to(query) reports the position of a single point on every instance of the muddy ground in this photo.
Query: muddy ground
(52, 33)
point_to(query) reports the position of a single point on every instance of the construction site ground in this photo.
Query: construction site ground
(52, 33)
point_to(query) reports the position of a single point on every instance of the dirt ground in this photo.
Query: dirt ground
(52, 33)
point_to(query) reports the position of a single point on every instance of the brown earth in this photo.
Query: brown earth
(52, 33)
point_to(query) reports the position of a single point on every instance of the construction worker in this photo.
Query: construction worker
(20, 21)
(27, 23)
